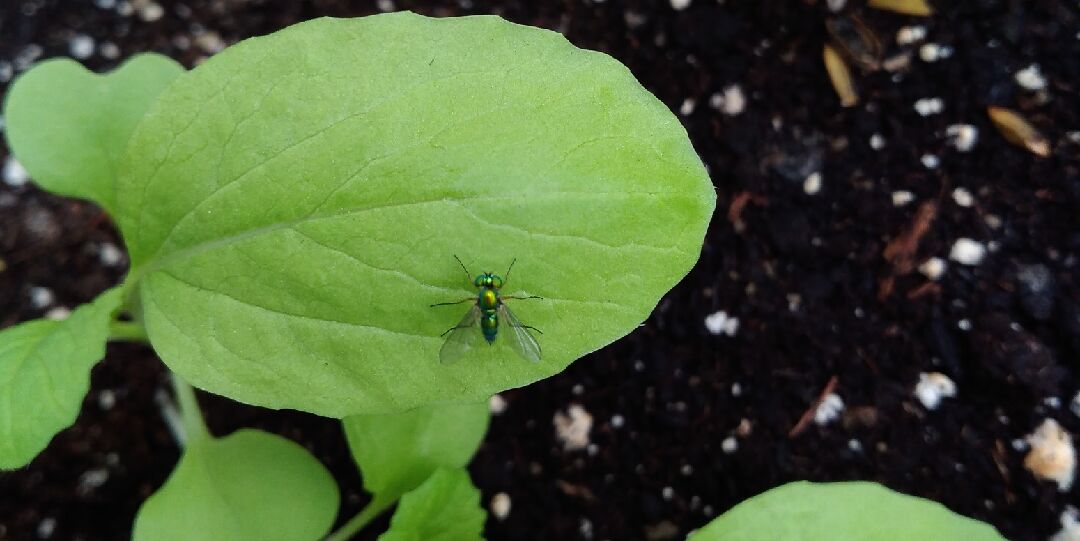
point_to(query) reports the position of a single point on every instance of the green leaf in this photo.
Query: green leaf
(293, 205)
(397, 452)
(69, 127)
(45, 374)
(860, 511)
(247, 485)
(445, 508)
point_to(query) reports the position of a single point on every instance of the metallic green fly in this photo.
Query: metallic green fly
(489, 311)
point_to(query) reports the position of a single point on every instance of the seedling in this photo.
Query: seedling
(287, 207)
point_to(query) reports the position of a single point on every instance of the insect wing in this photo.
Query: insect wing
(462, 337)
(520, 340)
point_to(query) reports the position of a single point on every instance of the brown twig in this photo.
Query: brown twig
(804, 421)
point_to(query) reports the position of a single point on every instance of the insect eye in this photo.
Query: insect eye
(479, 281)
(496, 282)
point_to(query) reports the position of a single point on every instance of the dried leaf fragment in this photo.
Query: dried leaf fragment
(1019, 131)
(919, 8)
(856, 41)
(840, 76)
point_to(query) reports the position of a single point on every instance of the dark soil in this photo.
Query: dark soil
(806, 276)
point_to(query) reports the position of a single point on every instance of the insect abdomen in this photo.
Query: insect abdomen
(489, 325)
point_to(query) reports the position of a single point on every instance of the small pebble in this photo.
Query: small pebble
(962, 197)
(500, 506)
(667, 493)
(1052, 402)
(110, 255)
(729, 445)
(150, 11)
(81, 46)
(617, 421)
(106, 399)
(934, 387)
(854, 445)
(1070, 525)
(210, 42)
(679, 5)
(902, 197)
(929, 106)
(46, 528)
(930, 161)
(731, 102)
(687, 470)
(720, 323)
(41, 297)
(964, 324)
(932, 52)
(812, 184)
(1031, 78)
(14, 173)
(910, 34)
(962, 137)
(91, 480)
(687, 107)
(836, 6)
(933, 268)
(1052, 456)
(109, 50)
(967, 252)
(736, 390)
(877, 141)
(58, 313)
(573, 427)
(829, 409)
(386, 6)
(497, 404)
(6, 71)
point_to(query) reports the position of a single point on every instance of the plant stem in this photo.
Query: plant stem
(357, 523)
(128, 331)
(190, 415)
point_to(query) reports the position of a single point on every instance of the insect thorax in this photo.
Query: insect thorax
(487, 299)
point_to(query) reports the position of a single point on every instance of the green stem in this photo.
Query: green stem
(128, 331)
(190, 415)
(357, 523)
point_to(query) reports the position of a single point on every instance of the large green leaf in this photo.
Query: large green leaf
(293, 204)
(855, 511)
(445, 508)
(69, 127)
(45, 374)
(396, 452)
(249, 485)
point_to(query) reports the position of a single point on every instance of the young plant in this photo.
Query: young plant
(290, 208)
(852, 510)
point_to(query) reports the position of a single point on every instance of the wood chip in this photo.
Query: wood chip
(919, 8)
(840, 76)
(808, 415)
(1019, 131)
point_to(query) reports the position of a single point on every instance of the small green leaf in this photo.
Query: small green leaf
(397, 452)
(69, 127)
(249, 485)
(45, 374)
(445, 508)
(293, 205)
(861, 511)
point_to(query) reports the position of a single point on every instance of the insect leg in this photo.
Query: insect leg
(520, 298)
(453, 303)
